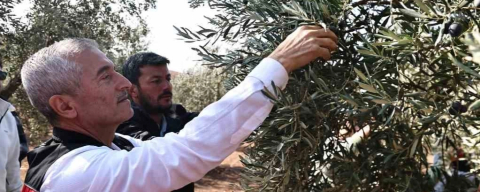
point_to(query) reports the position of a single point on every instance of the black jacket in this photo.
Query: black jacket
(141, 126)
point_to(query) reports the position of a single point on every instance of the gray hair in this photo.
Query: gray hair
(53, 71)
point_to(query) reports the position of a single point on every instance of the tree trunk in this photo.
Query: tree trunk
(11, 87)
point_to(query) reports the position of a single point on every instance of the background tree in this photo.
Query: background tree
(402, 67)
(198, 88)
(116, 25)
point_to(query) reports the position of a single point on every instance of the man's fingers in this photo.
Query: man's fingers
(326, 43)
(310, 27)
(318, 31)
(323, 53)
(321, 33)
(305, 44)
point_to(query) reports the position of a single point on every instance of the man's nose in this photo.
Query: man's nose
(168, 86)
(124, 83)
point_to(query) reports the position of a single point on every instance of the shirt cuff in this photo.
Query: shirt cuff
(270, 70)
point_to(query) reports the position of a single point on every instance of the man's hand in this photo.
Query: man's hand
(304, 45)
(357, 136)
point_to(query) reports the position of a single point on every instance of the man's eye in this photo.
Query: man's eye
(156, 81)
(106, 77)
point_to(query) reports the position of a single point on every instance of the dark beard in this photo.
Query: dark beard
(150, 109)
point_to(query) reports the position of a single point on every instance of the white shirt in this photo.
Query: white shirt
(9, 151)
(170, 162)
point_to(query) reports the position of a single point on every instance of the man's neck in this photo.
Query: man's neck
(101, 134)
(157, 117)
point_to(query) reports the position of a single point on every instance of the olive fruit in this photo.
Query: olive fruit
(455, 29)
(456, 24)
(342, 24)
(457, 108)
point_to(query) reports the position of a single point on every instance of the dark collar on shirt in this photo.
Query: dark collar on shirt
(66, 136)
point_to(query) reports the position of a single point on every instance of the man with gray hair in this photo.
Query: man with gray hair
(76, 87)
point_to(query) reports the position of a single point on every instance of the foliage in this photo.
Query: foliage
(116, 25)
(198, 87)
(400, 67)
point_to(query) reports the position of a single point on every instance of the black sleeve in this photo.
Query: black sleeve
(135, 130)
(22, 137)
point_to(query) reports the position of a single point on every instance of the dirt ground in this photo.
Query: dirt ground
(224, 178)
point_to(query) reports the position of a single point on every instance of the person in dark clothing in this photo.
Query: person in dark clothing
(22, 137)
(151, 95)
(141, 126)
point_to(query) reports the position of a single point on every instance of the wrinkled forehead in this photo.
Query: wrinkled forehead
(91, 61)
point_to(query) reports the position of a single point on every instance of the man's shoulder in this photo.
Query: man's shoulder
(181, 113)
(178, 109)
(76, 169)
(8, 123)
(139, 119)
(178, 118)
(8, 117)
(139, 126)
(138, 114)
(52, 158)
(133, 141)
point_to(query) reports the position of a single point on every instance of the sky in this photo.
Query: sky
(163, 38)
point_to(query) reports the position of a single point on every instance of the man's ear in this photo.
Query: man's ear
(63, 106)
(133, 91)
